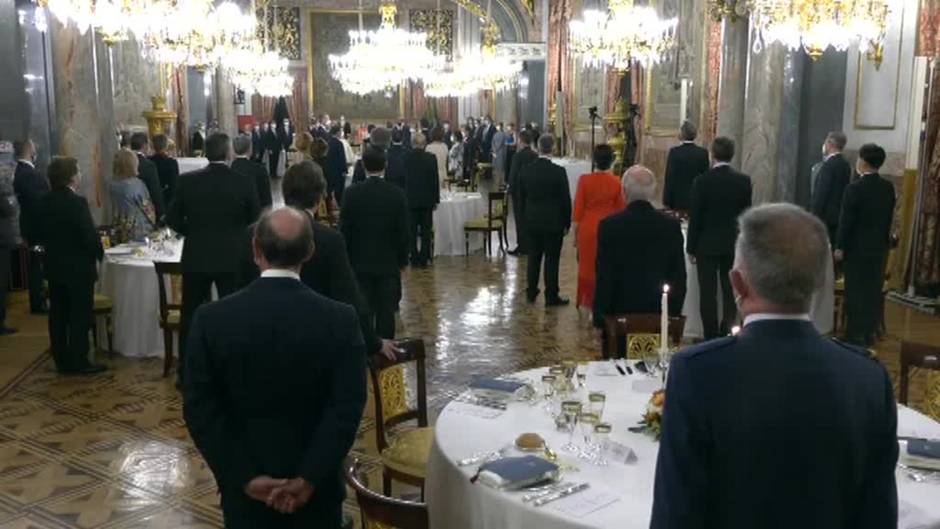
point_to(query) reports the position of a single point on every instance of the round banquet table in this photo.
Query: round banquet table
(454, 210)
(574, 168)
(131, 283)
(455, 503)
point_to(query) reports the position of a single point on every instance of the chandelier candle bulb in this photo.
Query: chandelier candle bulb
(664, 324)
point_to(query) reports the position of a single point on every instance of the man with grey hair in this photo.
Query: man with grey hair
(546, 208)
(638, 251)
(244, 164)
(830, 182)
(379, 137)
(684, 163)
(777, 404)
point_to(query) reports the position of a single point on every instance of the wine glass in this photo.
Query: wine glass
(587, 421)
(596, 402)
(601, 437)
(571, 409)
(548, 391)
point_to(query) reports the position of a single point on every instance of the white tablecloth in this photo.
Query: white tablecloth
(454, 210)
(455, 503)
(574, 168)
(191, 164)
(131, 283)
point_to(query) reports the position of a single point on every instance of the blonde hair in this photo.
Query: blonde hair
(302, 142)
(125, 165)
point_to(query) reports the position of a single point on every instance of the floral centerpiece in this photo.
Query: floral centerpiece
(652, 421)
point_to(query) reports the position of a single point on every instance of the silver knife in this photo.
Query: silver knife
(574, 489)
(535, 494)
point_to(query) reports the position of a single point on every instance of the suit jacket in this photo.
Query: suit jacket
(395, 164)
(29, 187)
(168, 171)
(638, 251)
(68, 234)
(522, 158)
(718, 199)
(212, 208)
(834, 174)
(8, 220)
(257, 143)
(359, 172)
(486, 145)
(545, 197)
(198, 141)
(374, 222)
(867, 214)
(275, 386)
(147, 171)
(257, 173)
(422, 184)
(777, 428)
(335, 163)
(271, 141)
(285, 137)
(683, 164)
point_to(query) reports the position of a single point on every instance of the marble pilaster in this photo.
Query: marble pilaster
(224, 93)
(135, 81)
(84, 109)
(734, 56)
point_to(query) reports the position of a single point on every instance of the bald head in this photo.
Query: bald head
(639, 184)
(283, 239)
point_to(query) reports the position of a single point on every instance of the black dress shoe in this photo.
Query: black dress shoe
(557, 302)
(6, 331)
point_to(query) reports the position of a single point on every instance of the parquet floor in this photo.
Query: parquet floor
(111, 451)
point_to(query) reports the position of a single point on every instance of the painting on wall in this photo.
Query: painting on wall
(329, 33)
(663, 101)
(280, 28)
(590, 91)
(438, 24)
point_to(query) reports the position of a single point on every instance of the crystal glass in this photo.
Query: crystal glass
(570, 409)
(570, 366)
(596, 402)
(587, 421)
(601, 436)
(548, 391)
(560, 383)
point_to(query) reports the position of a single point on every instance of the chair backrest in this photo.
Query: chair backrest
(641, 332)
(496, 206)
(916, 355)
(381, 511)
(390, 389)
(169, 281)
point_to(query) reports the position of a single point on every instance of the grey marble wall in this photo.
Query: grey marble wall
(734, 57)
(84, 109)
(823, 87)
(134, 80)
(13, 111)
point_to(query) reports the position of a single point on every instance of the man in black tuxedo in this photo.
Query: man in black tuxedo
(168, 169)
(546, 207)
(272, 146)
(336, 167)
(423, 191)
(147, 171)
(73, 248)
(378, 137)
(829, 186)
(374, 221)
(275, 388)
(777, 426)
(30, 187)
(255, 171)
(638, 251)
(486, 140)
(212, 209)
(522, 158)
(197, 142)
(863, 244)
(684, 162)
(285, 134)
(395, 158)
(718, 198)
(257, 143)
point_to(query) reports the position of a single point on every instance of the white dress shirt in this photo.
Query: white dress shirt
(280, 272)
(765, 316)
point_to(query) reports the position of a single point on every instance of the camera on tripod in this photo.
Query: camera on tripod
(592, 112)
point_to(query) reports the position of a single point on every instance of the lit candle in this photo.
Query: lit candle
(664, 322)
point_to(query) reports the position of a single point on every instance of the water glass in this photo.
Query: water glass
(587, 421)
(596, 402)
(570, 409)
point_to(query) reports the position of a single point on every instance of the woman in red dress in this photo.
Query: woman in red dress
(599, 194)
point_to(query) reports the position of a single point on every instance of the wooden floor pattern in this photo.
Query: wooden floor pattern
(112, 451)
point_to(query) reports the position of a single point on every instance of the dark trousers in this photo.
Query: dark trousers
(422, 220)
(37, 298)
(70, 318)
(6, 257)
(337, 187)
(381, 293)
(547, 245)
(242, 512)
(864, 278)
(711, 270)
(272, 162)
(197, 289)
(521, 241)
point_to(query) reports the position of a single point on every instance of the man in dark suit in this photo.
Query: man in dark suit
(379, 137)
(486, 140)
(829, 186)
(168, 169)
(718, 198)
(7, 245)
(863, 244)
(336, 163)
(257, 143)
(273, 147)
(275, 389)
(197, 142)
(522, 158)
(778, 426)
(546, 207)
(73, 248)
(374, 221)
(147, 171)
(423, 191)
(285, 134)
(245, 165)
(395, 159)
(212, 208)
(638, 251)
(684, 162)
(30, 187)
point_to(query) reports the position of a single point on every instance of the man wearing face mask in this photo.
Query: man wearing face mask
(273, 147)
(30, 187)
(257, 143)
(778, 415)
(830, 182)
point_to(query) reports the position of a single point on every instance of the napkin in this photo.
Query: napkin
(919, 453)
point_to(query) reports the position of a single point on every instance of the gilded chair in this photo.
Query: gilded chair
(926, 357)
(103, 308)
(382, 512)
(640, 333)
(404, 451)
(494, 221)
(170, 284)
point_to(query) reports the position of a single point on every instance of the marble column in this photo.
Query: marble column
(734, 57)
(224, 92)
(770, 142)
(84, 109)
(135, 81)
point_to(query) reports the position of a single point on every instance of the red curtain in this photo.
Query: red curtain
(179, 91)
(928, 28)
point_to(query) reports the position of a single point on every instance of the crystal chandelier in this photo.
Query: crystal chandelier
(624, 34)
(383, 59)
(257, 71)
(195, 33)
(114, 20)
